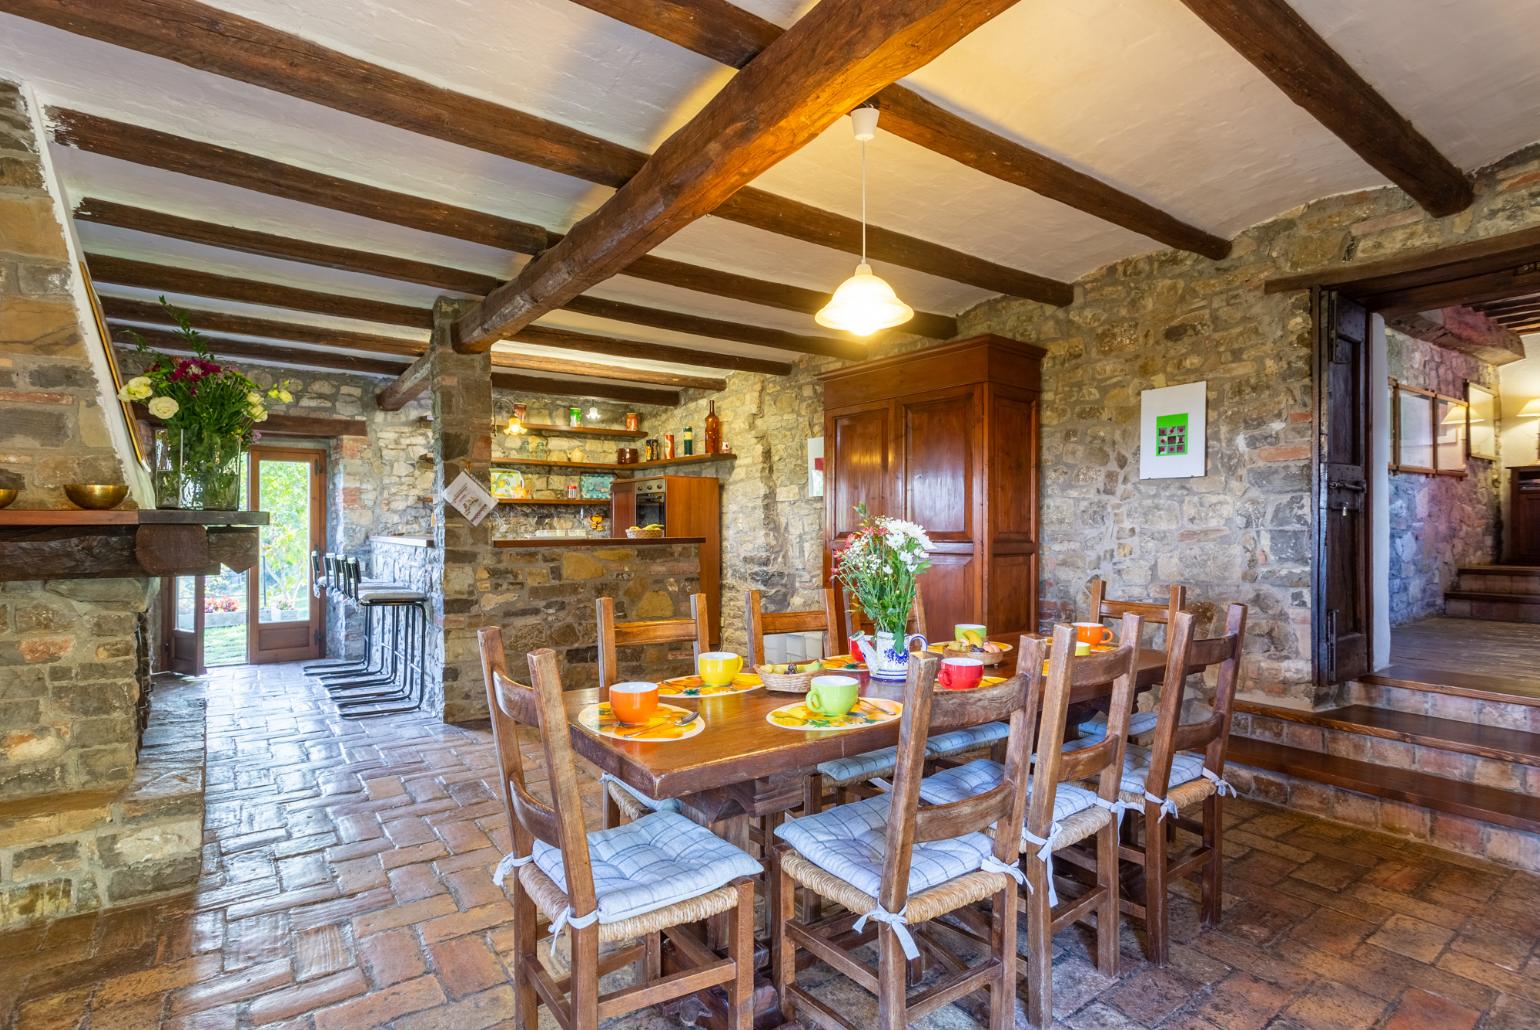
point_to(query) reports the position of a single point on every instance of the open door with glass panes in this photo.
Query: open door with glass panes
(283, 613)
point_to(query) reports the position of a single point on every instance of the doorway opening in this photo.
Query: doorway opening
(1425, 458)
(270, 613)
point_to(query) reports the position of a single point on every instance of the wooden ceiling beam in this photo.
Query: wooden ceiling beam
(1283, 46)
(837, 55)
(551, 363)
(126, 309)
(443, 277)
(222, 43)
(157, 149)
(172, 343)
(171, 279)
(1491, 286)
(733, 36)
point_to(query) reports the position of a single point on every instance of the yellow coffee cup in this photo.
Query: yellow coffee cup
(717, 668)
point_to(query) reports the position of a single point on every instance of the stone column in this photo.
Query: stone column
(461, 386)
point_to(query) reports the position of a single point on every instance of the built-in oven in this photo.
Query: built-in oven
(651, 502)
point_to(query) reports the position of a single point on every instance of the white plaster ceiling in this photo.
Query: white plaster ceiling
(1142, 95)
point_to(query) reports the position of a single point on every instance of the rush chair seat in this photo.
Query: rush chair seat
(647, 879)
(621, 800)
(1154, 614)
(894, 864)
(1182, 767)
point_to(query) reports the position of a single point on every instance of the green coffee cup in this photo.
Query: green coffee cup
(833, 696)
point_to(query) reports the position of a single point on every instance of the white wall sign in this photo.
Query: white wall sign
(469, 498)
(1173, 435)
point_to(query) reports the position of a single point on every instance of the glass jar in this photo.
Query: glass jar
(197, 471)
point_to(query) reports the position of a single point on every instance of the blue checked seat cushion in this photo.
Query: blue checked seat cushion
(659, 860)
(1076, 813)
(1188, 784)
(842, 772)
(633, 804)
(1138, 725)
(841, 853)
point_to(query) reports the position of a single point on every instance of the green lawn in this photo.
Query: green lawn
(224, 645)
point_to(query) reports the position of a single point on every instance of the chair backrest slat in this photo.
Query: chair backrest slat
(539, 706)
(761, 623)
(1118, 670)
(1190, 657)
(614, 634)
(1153, 613)
(925, 708)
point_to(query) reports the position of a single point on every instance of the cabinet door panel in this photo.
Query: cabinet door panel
(857, 466)
(1013, 467)
(1012, 592)
(949, 592)
(940, 463)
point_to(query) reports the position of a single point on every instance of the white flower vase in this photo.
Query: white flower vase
(885, 657)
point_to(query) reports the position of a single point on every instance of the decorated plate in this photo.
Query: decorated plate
(942, 647)
(869, 711)
(663, 725)
(694, 686)
(843, 663)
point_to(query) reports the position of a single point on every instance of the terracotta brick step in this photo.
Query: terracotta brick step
(1470, 800)
(1505, 745)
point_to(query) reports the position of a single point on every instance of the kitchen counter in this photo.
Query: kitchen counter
(596, 541)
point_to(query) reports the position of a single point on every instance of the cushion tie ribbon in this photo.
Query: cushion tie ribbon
(991, 864)
(1220, 783)
(509, 863)
(1044, 854)
(899, 922)
(564, 919)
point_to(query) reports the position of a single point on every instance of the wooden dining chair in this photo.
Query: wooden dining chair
(761, 624)
(1153, 613)
(620, 801)
(1183, 765)
(1063, 806)
(643, 881)
(895, 863)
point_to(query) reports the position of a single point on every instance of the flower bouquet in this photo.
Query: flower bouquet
(880, 566)
(209, 414)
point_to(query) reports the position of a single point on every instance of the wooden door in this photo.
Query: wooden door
(1342, 624)
(284, 615)
(182, 623)
(938, 443)
(1011, 516)
(858, 467)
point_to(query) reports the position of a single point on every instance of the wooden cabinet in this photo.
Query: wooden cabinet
(946, 437)
(1524, 515)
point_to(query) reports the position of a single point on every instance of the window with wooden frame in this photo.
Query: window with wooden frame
(1428, 431)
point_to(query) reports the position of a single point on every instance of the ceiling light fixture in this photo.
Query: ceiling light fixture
(864, 303)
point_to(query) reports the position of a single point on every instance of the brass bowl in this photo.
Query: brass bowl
(96, 496)
(7, 495)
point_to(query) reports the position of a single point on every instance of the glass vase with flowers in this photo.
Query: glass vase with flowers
(880, 566)
(208, 415)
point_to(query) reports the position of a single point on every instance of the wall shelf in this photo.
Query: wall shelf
(572, 502)
(612, 466)
(549, 430)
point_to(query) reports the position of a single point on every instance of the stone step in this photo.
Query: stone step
(1470, 738)
(1507, 808)
(1494, 607)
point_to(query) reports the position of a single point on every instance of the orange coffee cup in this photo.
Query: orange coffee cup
(633, 702)
(1093, 633)
(960, 673)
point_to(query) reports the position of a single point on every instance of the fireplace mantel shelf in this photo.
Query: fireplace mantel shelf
(69, 544)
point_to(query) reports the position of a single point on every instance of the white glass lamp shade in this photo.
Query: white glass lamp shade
(863, 304)
(1530, 410)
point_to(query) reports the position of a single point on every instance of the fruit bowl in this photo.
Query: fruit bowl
(990, 653)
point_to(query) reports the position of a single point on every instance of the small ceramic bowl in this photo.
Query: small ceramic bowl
(7, 495)
(96, 496)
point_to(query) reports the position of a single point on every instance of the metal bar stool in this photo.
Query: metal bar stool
(325, 584)
(375, 668)
(406, 646)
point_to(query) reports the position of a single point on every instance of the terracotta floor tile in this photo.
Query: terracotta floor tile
(1419, 1010)
(1333, 1006)
(1412, 937)
(1243, 1002)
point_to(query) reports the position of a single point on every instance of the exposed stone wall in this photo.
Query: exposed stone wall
(84, 850)
(1243, 531)
(1438, 523)
(54, 430)
(546, 598)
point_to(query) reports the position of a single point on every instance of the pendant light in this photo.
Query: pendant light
(864, 303)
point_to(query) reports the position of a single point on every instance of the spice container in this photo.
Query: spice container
(668, 446)
(574, 416)
(633, 421)
(572, 491)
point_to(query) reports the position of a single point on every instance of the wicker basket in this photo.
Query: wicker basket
(638, 533)
(989, 658)
(786, 682)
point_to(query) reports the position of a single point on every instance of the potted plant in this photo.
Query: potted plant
(208, 414)
(880, 565)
